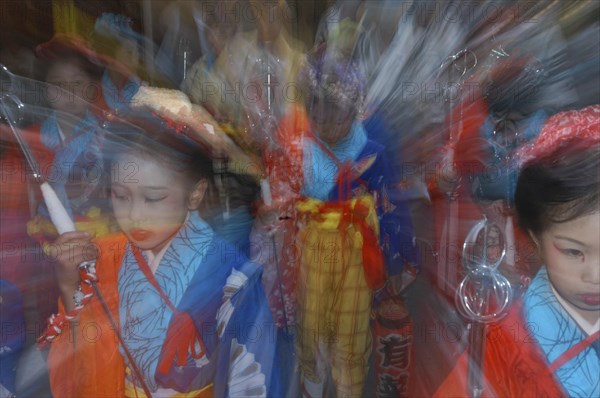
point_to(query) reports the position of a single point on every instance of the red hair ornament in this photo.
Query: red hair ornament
(561, 129)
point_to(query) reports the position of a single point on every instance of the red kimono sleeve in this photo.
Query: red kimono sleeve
(514, 365)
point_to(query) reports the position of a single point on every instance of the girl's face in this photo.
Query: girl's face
(150, 201)
(330, 120)
(70, 87)
(571, 252)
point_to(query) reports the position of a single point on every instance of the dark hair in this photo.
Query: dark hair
(560, 186)
(154, 138)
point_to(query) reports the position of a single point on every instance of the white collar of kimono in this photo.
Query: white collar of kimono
(588, 327)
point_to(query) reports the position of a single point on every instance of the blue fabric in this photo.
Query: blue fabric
(144, 315)
(236, 229)
(194, 273)
(396, 228)
(118, 100)
(72, 160)
(320, 171)
(379, 131)
(12, 334)
(555, 332)
(251, 328)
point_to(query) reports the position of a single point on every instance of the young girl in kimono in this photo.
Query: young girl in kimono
(180, 312)
(548, 345)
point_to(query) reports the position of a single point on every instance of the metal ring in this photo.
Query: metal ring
(500, 287)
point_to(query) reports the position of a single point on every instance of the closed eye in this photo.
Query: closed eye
(154, 200)
(118, 196)
(572, 252)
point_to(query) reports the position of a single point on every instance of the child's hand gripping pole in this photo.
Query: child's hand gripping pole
(11, 109)
(63, 223)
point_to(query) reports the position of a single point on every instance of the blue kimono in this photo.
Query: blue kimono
(211, 281)
(555, 331)
(371, 164)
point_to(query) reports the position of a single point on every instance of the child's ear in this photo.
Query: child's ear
(197, 195)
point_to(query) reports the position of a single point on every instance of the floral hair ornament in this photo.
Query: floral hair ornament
(560, 129)
(191, 121)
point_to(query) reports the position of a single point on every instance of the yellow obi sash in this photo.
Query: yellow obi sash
(329, 214)
(359, 214)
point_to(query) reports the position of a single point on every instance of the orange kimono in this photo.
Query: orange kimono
(85, 360)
